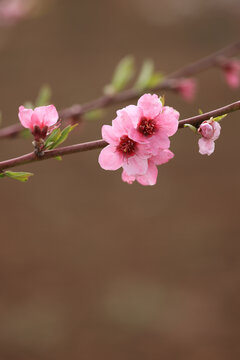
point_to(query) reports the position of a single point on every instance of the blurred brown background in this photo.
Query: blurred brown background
(90, 267)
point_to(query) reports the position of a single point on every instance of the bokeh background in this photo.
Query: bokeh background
(93, 268)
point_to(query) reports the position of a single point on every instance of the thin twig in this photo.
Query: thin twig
(76, 111)
(98, 144)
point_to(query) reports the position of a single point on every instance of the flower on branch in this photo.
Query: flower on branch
(41, 121)
(139, 140)
(231, 70)
(187, 89)
(210, 131)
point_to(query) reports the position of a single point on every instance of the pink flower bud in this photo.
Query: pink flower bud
(210, 131)
(231, 70)
(187, 89)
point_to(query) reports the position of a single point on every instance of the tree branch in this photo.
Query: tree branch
(170, 83)
(98, 144)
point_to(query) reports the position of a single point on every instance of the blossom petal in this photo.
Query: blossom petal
(217, 130)
(162, 157)
(206, 146)
(47, 115)
(150, 105)
(135, 113)
(110, 158)
(159, 141)
(25, 116)
(150, 178)
(127, 178)
(168, 120)
(135, 165)
(109, 135)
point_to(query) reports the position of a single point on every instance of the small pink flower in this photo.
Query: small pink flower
(152, 122)
(41, 121)
(11, 11)
(150, 177)
(210, 131)
(231, 70)
(122, 150)
(187, 89)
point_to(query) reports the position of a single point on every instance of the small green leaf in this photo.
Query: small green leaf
(124, 73)
(64, 135)
(28, 105)
(155, 80)
(44, 96)
(59, 158)
(191, 127)
(53, 137)
(145, 75)
(2, 175)
(162, 99)
(20, 176)
(94, 114)
(219, 118)
(200, 111)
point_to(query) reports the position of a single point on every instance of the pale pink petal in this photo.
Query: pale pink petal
(135, 165)
(150, 105)
(135, 135)
(206, 146)
(168, 120)
(127, 178)
(162, 157)
(217, 130)
(144, 151)
(25, 116)
(159, 141)
(109, 135)
(232, 79)
(110, 158)
(47, 115)
(122, 124)
(135, 114)
(150, 178)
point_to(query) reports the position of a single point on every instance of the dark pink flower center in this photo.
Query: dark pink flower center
(39, 133)
(127, 145)
(147, 127)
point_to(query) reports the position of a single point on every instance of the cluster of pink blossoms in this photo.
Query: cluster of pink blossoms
(139, 140)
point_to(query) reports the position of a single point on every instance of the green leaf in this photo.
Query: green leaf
(28, 105)
(162, 99)
(124, 73)
(20, 176)
(219, 118)
(155, 80)
(64, 135)
(191, 127)
(2, 175)
(44, 96)
(145, 75)
(94, 114)
(200, 111)
(59, 158)
(53, 137)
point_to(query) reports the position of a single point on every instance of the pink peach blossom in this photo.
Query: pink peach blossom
(152, 122)
(150, 177)
(187, 89)
(122, 150)
(232, 73)
(210, 131)
(40, 121)
(11, 11)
